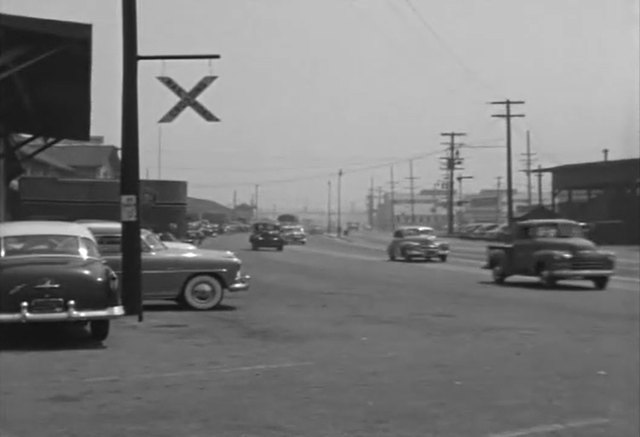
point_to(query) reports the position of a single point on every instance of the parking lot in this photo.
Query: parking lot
(333, 340)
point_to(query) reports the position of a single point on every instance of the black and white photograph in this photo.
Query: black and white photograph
(320, 218)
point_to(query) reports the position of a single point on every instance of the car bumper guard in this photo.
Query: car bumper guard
(241, 283)
(71, 314)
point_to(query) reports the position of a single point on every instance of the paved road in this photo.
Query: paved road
(332, 341)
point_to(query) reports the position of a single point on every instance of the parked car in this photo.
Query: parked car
(53, 272)
(199, 278)
(551, 250)
(293, 234)
(498, 233)
(411, 242)
(266, 234)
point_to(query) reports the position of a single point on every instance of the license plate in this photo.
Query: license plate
(46, 306)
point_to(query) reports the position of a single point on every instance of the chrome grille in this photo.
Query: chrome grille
(590, 264)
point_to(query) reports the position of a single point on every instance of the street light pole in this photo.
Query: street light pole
(329, 207)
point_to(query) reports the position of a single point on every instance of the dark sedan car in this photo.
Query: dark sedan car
(53, 272)
(266, 234)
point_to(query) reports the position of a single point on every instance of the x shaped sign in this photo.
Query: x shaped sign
(188, 99)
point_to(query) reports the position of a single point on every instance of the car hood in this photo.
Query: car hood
(569, 244)
(421, 240)
(179, 245)
(203, 254)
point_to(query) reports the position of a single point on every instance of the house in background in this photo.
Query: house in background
(88, 160)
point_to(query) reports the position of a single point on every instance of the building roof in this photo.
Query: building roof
(595, 165)
(82, 155)
(197, 206)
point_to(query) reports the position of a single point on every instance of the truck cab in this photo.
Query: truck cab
(551, 249)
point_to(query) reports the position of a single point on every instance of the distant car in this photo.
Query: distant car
(293, 234)
(199, 278)
(411, 242)
(266, 234)
(53, 272)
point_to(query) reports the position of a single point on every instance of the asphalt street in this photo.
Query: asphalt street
(334, 340)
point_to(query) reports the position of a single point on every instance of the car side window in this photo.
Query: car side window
(109, 244)
(523, 233)
(397, 234)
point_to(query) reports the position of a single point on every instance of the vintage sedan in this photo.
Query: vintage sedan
(411, 242)
(266, 234)
(53, 272)
(198, 278)
(293, 234)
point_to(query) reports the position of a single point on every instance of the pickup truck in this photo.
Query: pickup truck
(551, 249)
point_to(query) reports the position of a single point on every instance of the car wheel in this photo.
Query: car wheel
(497, 273)
(601, 282)
(99, 329)
(203, 292)
(443, 258)
(547, 280)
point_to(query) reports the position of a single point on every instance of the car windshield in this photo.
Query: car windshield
(266, 227)
(414, 232)
(154, 243)
(21, 245)
(557, 230)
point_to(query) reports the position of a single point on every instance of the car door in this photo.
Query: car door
(524, 247)
(162, 273)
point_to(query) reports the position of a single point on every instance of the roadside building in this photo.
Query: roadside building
(427, 207)
(605, 194)
(214, 212)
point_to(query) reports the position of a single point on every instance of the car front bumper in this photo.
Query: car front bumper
(579, 274)
(426, 252)
(70, 315)
(241, 283)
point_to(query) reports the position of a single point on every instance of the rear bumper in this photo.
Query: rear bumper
(70, 315)
(578, 274)
(241, 284)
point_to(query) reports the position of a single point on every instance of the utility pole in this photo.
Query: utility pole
(605, 153)
(329, 207)
(257, 192)
(540, 185)
(498, 200)
(527, 170)
(370, 204)
(339, 218)
(412, 196)
(461, 178)
(378, 215)
(452, 160)
(235, 199)
(130, 161)
(508, 116)
(392, 200)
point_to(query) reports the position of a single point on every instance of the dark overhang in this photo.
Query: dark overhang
(45, 77)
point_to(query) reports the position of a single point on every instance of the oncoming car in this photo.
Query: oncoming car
(411, 242)
(53, 272)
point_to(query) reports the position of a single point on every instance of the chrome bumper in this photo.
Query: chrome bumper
(567, 274)
(241, 283)
(70, 315)
(426, 252)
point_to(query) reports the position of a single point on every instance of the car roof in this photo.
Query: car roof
(104, 227)
(404, 228)
(44, 227)
(547, 222)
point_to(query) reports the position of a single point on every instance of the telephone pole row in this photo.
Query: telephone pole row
(508, 116)
(452, 161)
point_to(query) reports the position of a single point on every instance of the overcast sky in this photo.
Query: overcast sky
(307, 87)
